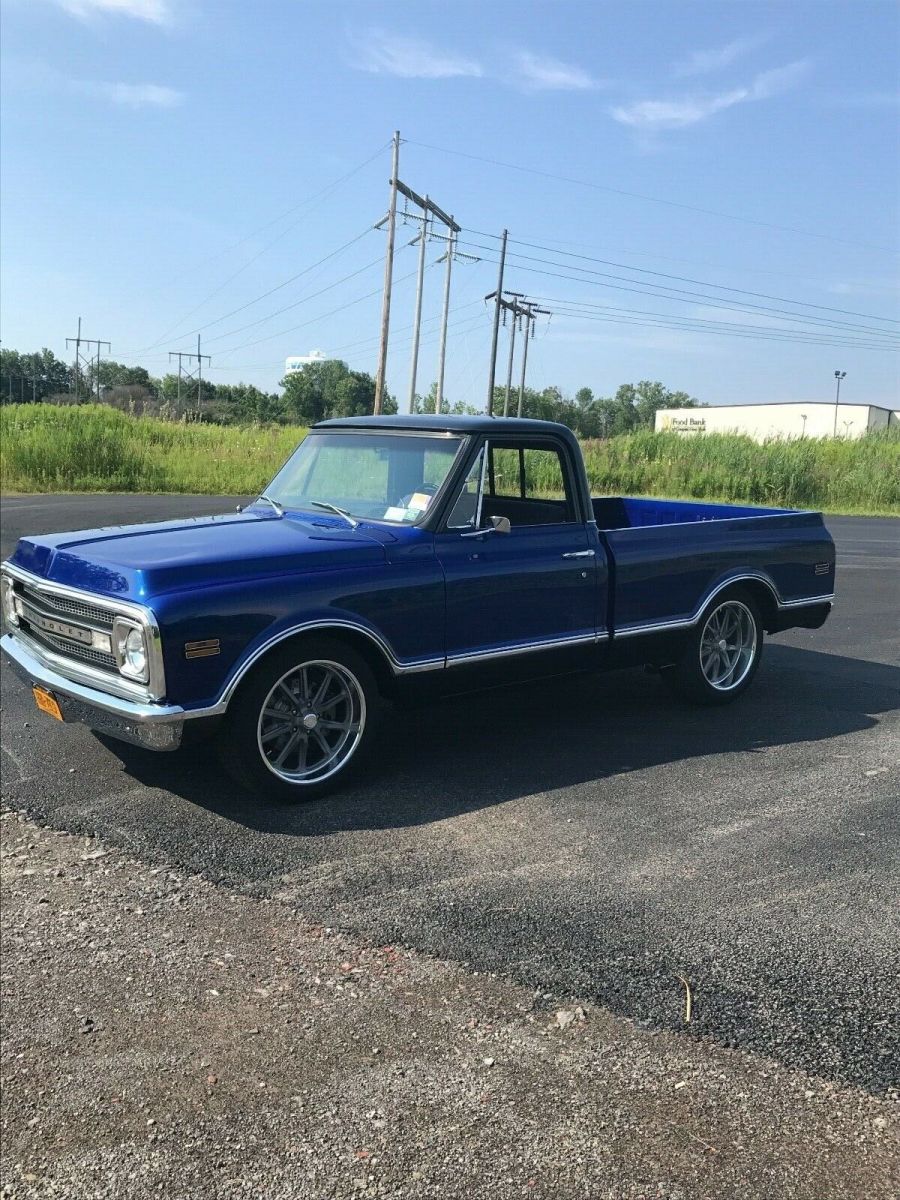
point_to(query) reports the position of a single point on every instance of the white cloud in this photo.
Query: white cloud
(653, 115)
(382, 53)
(157, 12)
(549, 74)
(34, 76)
(705, 62)
(130, 95)
(778, 80)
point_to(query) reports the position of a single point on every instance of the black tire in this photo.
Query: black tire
(694, 675)
(250, 740)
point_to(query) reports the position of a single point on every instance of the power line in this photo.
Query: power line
(685, 279)
(303, 300)
(84, 360)
(364, 344)
(314, 320)
(709, 212)
(183, 357)
(722, 302)
(279, 286)
(797, 334)
(308, 204)
(330, 187)
(773, 336)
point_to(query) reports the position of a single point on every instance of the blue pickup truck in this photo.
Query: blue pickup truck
(389, 555)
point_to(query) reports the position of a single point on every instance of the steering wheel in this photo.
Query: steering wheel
(425, 490)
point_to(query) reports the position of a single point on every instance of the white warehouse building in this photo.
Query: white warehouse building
(788, 420)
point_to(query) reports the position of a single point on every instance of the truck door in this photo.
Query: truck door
(523, 569)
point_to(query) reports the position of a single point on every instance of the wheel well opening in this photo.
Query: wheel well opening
(364, 646)
(765, 600)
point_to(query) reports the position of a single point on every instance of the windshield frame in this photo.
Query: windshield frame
(464, 439)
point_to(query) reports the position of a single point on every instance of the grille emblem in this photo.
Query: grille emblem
(62, 629)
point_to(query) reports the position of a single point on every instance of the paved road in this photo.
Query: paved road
(586, 836)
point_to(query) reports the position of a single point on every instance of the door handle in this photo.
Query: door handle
(580, 554)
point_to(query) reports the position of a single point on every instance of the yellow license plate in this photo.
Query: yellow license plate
(47, 703)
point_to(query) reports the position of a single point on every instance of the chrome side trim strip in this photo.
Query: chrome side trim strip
(456, 660)
(398, 667)
(806, 601)
(628, 631)
(686, 622)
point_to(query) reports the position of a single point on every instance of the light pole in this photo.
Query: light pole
(803, 419)
(838, 375)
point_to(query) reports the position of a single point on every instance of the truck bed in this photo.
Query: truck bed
(665, 555)
(629, 512)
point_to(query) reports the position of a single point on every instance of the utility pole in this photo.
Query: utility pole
(497, 297)
(518, 307)
(77, 340)
(838, 375)
(513, 308)
(530, 313)
(417, 320)
(445, 312)
(84, 360)
(183, 357)
(428, 215)
(388, 277)
(529, 332)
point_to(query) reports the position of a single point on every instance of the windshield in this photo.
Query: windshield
(380, 476)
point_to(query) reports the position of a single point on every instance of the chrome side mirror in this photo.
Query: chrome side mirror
(497, 525)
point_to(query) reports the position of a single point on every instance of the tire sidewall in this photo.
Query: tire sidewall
(238, 738)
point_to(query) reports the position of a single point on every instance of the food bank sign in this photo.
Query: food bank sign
(684, 424)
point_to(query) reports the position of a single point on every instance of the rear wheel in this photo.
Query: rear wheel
(722, 652)
(303, 722)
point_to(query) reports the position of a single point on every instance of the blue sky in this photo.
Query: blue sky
(166, 162)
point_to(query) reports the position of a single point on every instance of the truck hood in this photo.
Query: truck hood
(138, 562)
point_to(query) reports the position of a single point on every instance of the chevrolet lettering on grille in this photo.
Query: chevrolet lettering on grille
(61, 628)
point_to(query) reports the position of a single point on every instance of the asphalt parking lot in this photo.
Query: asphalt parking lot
(587, 837)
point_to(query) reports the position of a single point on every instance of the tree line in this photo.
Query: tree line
(318, 391)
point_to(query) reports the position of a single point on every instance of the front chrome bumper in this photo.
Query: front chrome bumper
(154, 726)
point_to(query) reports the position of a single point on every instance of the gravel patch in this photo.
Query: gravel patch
(165, 1035)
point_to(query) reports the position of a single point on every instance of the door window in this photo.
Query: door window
(530, 485)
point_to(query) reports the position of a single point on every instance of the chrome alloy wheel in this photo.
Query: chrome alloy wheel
(311, 722)
(728, 645)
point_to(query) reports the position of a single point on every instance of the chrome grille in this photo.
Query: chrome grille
(69, 612)
(54, 605)
(72, 649)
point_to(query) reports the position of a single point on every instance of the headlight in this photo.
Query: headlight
(130, 649)
(8, 599)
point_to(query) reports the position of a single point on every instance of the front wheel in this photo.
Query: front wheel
(722, 652)
(303, 722)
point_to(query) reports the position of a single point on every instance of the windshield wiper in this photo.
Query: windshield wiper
(274, 503)
(341, 512)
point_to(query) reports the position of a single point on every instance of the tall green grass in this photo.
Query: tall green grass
(861, 475)
(92, 448)
(44, 448)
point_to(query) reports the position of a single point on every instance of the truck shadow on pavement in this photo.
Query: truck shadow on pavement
(459, 754)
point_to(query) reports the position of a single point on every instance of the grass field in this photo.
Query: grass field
(44, 448)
